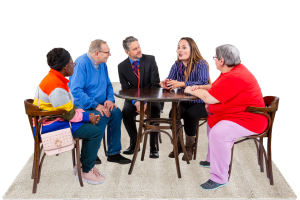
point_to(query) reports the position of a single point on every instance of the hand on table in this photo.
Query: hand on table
(172, 84)
(163, 83)
(188, 90)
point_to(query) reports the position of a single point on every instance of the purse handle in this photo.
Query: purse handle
(41, 117)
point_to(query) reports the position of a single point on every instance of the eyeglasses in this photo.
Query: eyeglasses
(215, 57)
(108, 52)
(74, 64)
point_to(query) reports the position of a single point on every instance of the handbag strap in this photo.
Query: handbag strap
(41, 117)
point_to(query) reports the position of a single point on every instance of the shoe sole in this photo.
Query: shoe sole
(206, 166)
(128, 153)
(215, 188)
(122, 163)
(75, 171)
(153, 157)
(91, 182)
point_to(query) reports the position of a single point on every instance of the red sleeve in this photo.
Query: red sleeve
(223, 89)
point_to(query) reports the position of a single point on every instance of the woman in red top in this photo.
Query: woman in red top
(226, 102)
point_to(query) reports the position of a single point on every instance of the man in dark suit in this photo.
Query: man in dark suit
(138, 70)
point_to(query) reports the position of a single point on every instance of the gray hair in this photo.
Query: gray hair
(229, 53)
(96, 45)
(127, 42)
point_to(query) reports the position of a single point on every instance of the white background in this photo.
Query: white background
(266, 33)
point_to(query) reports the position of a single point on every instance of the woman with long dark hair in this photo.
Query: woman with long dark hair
(189, 69)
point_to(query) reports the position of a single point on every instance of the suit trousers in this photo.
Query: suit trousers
(129, 114)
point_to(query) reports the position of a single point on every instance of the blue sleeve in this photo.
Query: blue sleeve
(173, 72)
(109, 89)
(85, 117)
(200, 76)
(77, 84)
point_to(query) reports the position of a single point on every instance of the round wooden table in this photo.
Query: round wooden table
(158, 95)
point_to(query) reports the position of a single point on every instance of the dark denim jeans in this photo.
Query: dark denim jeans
(91, 138)
(113, 129)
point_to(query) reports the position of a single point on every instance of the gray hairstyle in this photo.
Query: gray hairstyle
(127, 42)
(229, 53)
(96, 45)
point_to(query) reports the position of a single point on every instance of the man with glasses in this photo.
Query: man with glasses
(93, 92)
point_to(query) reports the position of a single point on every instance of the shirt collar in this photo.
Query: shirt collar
(131, 61)
(92, 60)
(59, 75)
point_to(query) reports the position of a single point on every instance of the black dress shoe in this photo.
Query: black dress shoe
(98, 161)
(118, 158)
(129, 151)
(153, 153)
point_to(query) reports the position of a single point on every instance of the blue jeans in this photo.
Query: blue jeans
(113, 129)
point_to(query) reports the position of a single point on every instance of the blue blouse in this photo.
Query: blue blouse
(198, 76)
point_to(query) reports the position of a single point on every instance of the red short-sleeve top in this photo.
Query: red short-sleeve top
(237, 90)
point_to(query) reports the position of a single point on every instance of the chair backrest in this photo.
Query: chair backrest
(34, 113)
(271, 106)
(271, 102)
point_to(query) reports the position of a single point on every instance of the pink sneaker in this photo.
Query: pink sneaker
(92, 177)
(75, 170)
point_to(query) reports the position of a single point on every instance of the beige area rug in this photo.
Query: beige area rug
(152, 178)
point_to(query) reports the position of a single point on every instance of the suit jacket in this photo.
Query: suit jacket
(149, 76)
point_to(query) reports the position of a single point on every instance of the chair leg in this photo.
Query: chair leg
(104, 144)
(180, 138)
(159, 137)
(33, 166)
(261, 160)
(196, 142)
(78, 162)
(270, 162)
(144, 146)
(73, 156)
(156, 141)
(230, 166)
(40, 168)
(36, 166)
(257, 149)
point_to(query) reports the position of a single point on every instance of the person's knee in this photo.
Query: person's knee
(117, 112)
(98, 134)
(218, 132)
(128, 113)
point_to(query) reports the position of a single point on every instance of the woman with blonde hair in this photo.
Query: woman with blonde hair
(189, 69)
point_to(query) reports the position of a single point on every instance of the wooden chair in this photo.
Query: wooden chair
(201, 122)
(271, 106)
(34, 113)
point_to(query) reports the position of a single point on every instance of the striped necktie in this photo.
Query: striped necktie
(135, 68)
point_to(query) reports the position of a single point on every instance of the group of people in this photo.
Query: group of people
(89, 99)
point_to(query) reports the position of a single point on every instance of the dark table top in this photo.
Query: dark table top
(155, 95)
